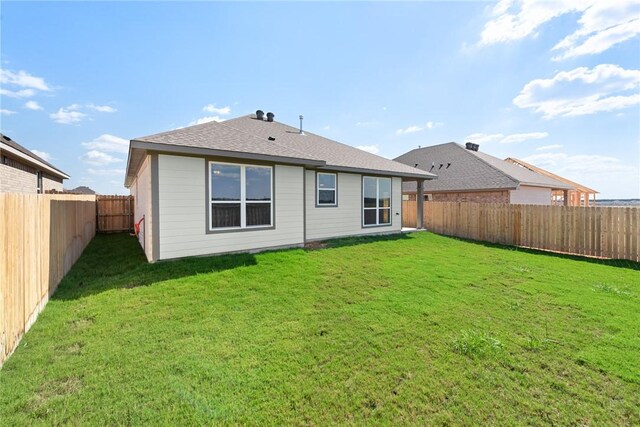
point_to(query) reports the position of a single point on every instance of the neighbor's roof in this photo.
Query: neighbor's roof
(9, 145)
(459, 169)
(529, 166)
(249, 138)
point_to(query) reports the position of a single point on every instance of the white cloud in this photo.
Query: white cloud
(32, 105)
(410, 129)
(418, 128)
(108, 143)
(101, 108)
(579, 163)
(98, 158)
(42, 154)
(520, 137)
(326, 127)
(6, 112)
(23, 79)
(202, 120)
(105, 172)
(549, 147)
(582, 91)
(373, 149)
(515, 20)
(67, 115)
(211, 108)
(483, 138)
(23, 93)
(607, 174)
(601, 23)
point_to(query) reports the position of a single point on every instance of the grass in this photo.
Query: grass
(418, 329)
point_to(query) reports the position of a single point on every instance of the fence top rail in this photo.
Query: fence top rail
(59, 197)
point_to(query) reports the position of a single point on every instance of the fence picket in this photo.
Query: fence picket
(594, 231)
(40, 241)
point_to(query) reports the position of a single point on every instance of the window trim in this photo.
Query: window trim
(335, 190)
(243, 202)
(39, 182)
(377, 208)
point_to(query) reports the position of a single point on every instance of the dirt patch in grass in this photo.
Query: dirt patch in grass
(313, 246)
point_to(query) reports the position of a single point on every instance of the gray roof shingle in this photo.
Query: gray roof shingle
(335, 154)
(11, 143)
(459, 169)
(247, 135)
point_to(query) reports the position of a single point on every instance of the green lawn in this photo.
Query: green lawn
(416, 329)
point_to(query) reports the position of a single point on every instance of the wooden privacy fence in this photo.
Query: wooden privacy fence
(41, 237)
(606, 232)
(114, 213)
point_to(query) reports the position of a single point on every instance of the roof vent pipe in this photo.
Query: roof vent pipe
(270, 116)
(260, 115)
(301, 131)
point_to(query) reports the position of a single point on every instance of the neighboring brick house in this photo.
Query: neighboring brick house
(21, 171)
(466, 175)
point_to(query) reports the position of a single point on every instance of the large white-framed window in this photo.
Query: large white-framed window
(376, 201)
(240, 196)
(326, 189)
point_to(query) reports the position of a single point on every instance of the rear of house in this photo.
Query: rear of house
(250, 184)
(467, 175)
(21, 171)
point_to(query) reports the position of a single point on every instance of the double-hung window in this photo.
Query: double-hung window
(240, 196)
(376, 201)
(327, 189)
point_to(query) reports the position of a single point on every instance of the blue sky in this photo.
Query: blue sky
(557, 84)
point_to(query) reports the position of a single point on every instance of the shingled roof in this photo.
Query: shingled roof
(10, 145)
(247, 137)
(459, 169)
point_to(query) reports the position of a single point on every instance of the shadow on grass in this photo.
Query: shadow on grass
(359, 240)
(116, 261)
(113, 261)
(620, 263)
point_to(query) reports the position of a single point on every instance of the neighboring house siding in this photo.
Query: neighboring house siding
(49, 184)
(141, 191)
(346, 218)
(182, 215)
(527, 195)
(13, 180)
(473, 197)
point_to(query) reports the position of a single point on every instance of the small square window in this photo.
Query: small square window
(326, 189)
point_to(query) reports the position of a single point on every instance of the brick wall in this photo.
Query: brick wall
(14, 180)
(49, 184)
(474, 197)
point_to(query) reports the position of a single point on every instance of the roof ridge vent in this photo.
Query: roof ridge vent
(260, 115)
(270, 116)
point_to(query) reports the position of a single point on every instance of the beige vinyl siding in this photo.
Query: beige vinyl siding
(183, 220)
(141, 191)
(528, 195)
(346, 218)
